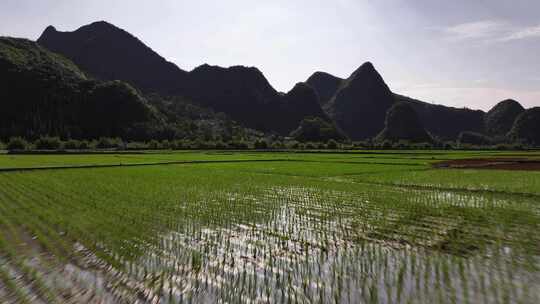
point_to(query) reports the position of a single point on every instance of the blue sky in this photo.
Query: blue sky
(461, 53)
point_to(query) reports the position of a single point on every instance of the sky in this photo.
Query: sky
(459, 53)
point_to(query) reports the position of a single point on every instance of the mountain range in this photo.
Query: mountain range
(101, 54)
(43, 93)
(243, 93)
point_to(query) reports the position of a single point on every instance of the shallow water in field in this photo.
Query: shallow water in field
(300, 244)
(304, 251)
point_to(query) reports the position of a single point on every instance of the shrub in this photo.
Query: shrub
(135, 145)
(17, 143)
(473, 138)
(310, 146)
(165, 144)
(48, 143)
(207, 145)
(448, 145)
(72, 144)
(153, 144)
(109, 143)
(84, 145)
(198, 144)
(179, 144)
(386, 144)
(261, 144)
(361, 145)
(345, 146)
(423, 146)
(221, 145)
(511, 146)
(293, 145)
(239, 145)
(176, 144)
(277, 145)
(332, 144)
(404, 144)
(189, 144)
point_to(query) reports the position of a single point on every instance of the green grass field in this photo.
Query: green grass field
(262, 227)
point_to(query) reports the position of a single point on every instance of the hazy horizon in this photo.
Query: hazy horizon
(458, 54)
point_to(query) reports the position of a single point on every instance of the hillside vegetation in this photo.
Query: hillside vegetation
(527, 126)
(500, 119)
(402, 123)
(44, 93)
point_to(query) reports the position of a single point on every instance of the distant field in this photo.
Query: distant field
(103, 158)
(259, 227)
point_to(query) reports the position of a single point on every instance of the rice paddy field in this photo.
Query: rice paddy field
(261, 227)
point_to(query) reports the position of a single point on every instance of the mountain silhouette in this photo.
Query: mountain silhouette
(242, 92)
(500, 119)
(357, 105)
(110, 53)
(317, 130)
(402, 123)
(442, 121)
(360, 104)
(107, 52)
(247, 96)
(325, 84)
(300, 102)
(527, 127)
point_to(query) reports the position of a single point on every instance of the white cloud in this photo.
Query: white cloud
(524, 33)
(476, 30)
(491, 31)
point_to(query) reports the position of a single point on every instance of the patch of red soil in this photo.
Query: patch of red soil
(491, 163)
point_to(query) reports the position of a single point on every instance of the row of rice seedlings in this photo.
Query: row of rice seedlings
(116, 221)
(121, 258)
(518, 182)
(41, 215)
(49, 214)
(32, 278)
(8, 280)
(26, 220)
(289, 231)
(276, 245)
(276, 266)
(406, 215)
(78, 275)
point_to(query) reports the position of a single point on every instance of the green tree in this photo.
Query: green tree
(332, 144)
(17, 143)
(48, 143)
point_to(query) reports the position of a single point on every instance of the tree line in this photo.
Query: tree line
(54, 143)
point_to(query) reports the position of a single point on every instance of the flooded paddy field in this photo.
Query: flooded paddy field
(267, 228)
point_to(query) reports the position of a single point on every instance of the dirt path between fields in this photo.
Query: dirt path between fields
(491, 163)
